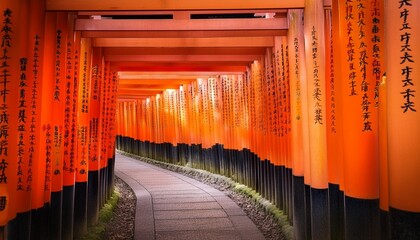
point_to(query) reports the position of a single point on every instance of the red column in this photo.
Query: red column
(315, 59)
(35, 57)
(403, 115)
(13, 36)
(82, 160)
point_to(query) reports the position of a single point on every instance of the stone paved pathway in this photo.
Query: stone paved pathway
(173, 206)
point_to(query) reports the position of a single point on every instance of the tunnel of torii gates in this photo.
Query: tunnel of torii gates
(287, 97)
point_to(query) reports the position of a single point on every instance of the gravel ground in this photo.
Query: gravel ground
(121, 225)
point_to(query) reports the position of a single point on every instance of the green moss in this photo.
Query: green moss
(105, 214)
(288, 231)
(268, 207)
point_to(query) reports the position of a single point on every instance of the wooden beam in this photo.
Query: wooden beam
(185, 42)
(150, 82)
(151, 86)
(327, 3)
(129, 98)
(163, 76)
(169, 5)
(181, 25)
(183, 50)
(170, 75)
(124, 66)
(144, 92)
(180, 66)
(124, 95)
(220, 63)
(179, 34)
(182, 58)
(209, 11)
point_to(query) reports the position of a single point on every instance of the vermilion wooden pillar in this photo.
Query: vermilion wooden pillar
(278, 115)
(383, 161)
(36, 49)
(403, 115)
(57, 97)
(70, 133)
(334, 120)
(111, 136)
(104, 129)
(299, 118)
(315, 59)
(24, 168)
(362, 73)
(286, 96)
(12, 162)
(80, 226)
(95, 136)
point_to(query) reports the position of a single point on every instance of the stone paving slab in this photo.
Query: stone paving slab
(200, 213)
(170, 192)
(183, 199)
(201, 235)
(181, 195)
(169, 187)
(173, 206)
(186, 206)
(193, 224)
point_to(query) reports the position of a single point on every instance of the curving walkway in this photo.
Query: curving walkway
(173, 206)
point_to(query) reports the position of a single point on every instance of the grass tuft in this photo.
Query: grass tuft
(105, 214)
(268, 207)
